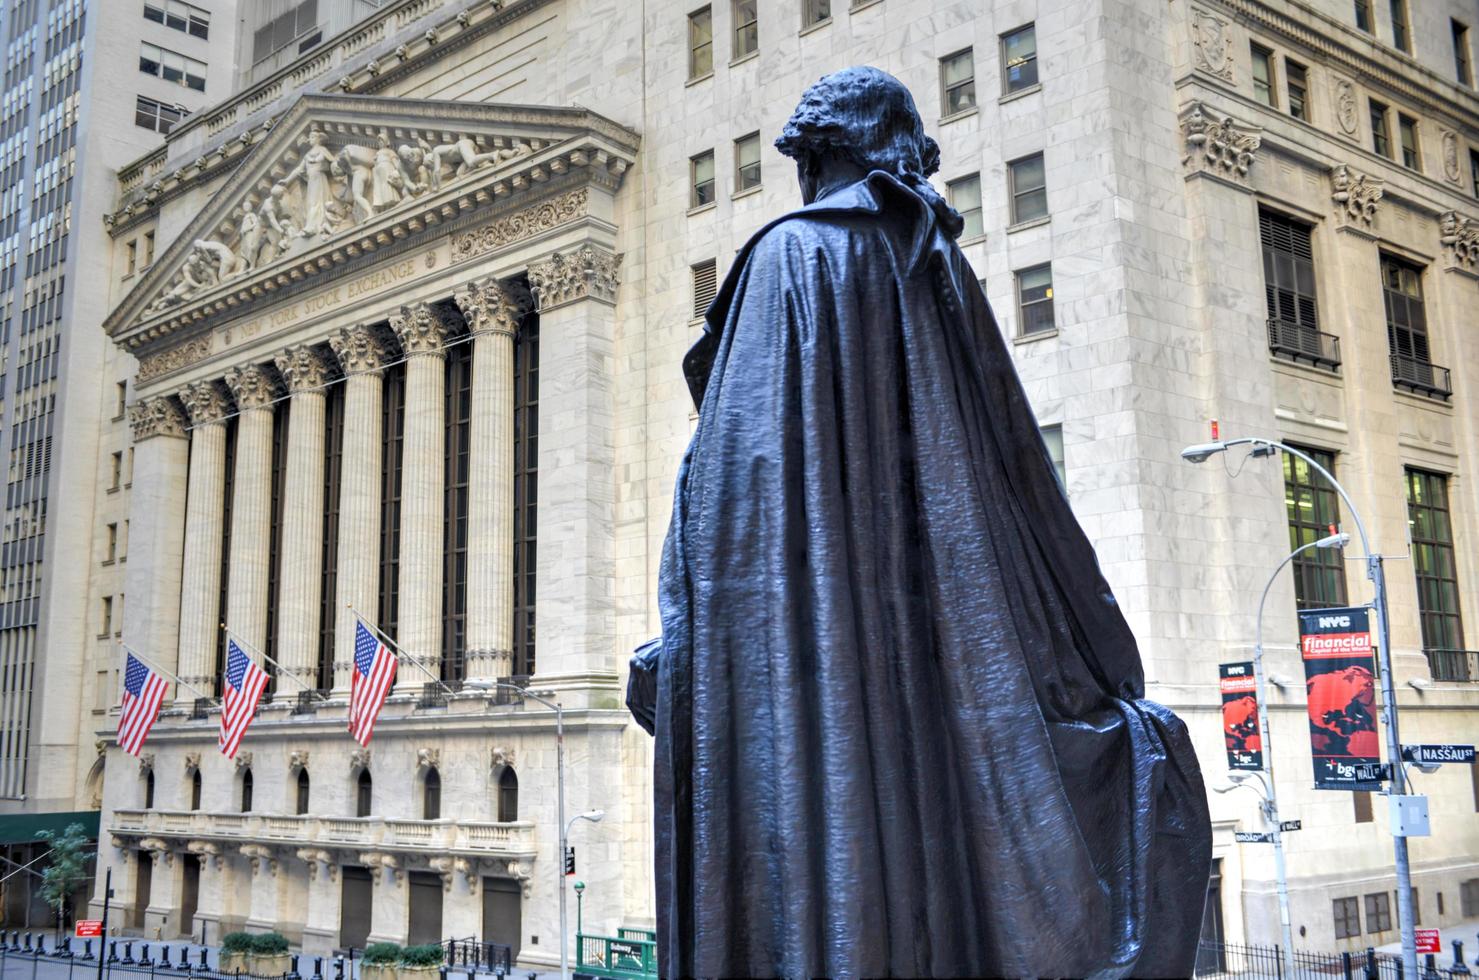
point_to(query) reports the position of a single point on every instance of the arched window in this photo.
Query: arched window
(302, 791)
(508, 795)
(431, 796)
(246, 791)
(195, 790)
(149, 790)
(363, 793)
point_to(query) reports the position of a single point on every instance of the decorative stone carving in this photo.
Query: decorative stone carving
(192, 762)
(1209, 36)
(253, 387)
(1346, 112)
(173, 359)
(261, 858)
(445, 867)
(160, 416)
(1460, 238)
(316, 857)
(502, 756)
(1355, 194)
(359, 350)
(207, 850)
(302, 367)
(422, 329)
(428, 758)
(516, 870)
(243, 761)
(469, 871)
(521, 224)
(359, 759)
(101, 746)
(297, 759)
(152, 846)
(1217, 146)
(586, 272)
(490, 306)
(206, 402)
(1450, 155)
(146, 763)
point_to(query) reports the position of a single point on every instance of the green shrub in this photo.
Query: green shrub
(269, 943)
(431, 954)
(382, 954)
(238, 942)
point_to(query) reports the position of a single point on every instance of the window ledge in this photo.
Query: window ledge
(1030, 338)
(751, 56)
(113, 489)
(1030, 223)
(747, 192)
(107, 561)
(1021, 93)
(104, 636)
(863, 5)
(973, 240)
(703, 207)
(119, 416)
(956, 116)
(813, 28)
(699, 78)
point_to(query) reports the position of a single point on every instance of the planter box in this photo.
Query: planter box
(418, 972)
(269, 965)
(375, 971)
(234, 963)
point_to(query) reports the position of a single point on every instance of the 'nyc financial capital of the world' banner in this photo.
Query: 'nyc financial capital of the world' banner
(1340, 676)
(1240, 727)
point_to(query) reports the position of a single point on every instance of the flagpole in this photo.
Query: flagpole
(281, 670)
(132, 652)
(398, 649)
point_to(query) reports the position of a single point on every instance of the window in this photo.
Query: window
(303, 787)
(120, 399)
(1407, 133)
(705, 285)
(149, 790)
(526, 491)
(508, 795)
(195, 790)
(1381, 137)
(1035, 299)
(747, 162)
(1263, 75)
(1440, 905)
(431, 796)
(1474, 779)
(1474, 170)
(123, 551)
(1378, 912)
(148, 249)
(246, 790)
(1363, 15)
(107, 616)
(1313, 506)
(1019, 59)
(1407, 323)
(171, 66)
(1029, 189)
(1361, 802)
(1289, 292)
(129, 471)
(112, 543)
(746, 27)
(180, 16)
(958, 82)
(1433, 562)
(965, 197)
(1052, 437)
(157, 116)
(392, 434)
(285, 29)
(700, 43)
(1401, 36)
(813, 12)
(363, 794)
(1463, 68)
(130, 258)
(1296, 80)
(457, 470)
(1417, 907)
(1347, 918)
(1468, 898)
(701, 178)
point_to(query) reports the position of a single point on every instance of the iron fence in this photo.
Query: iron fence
(1216, 961)
(471, 956)
(43, 957)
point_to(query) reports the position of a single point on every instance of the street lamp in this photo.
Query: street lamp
(1200, 453)
(579, 917)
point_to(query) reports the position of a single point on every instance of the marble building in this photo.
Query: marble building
(411, 345)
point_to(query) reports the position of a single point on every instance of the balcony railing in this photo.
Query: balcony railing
(1453, 665)
(202, 708)
(1300, 343)
(434, 836)
(307, 703)
(1423, 377)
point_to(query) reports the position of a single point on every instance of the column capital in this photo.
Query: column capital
(206, 402)
(490, 306)
(1218, 146)
(158, 416)
(302, 367)
(1356, 195)
(253, 387)
(359, 350)
(422, 329)
(584, 272)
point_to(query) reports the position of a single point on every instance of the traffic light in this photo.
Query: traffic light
(570, 860)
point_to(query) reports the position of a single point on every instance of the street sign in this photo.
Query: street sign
(1428, 941)
(88, 928)
(570, 860)
(1252, 837)
(1289, 825)
(1437, 754)
(1373, 772)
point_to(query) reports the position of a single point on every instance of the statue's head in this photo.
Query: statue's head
(858, 118)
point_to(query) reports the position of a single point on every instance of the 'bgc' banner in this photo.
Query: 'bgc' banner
(1340, 677)
(1240, 728)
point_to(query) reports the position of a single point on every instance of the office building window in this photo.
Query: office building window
(815, 11)
(130, 258)
(392, 435)
(1347, 918)
(116, 475)
(171, 66)
(148, 249)
(303, 788)
(958, 82)
(1035, 299)
(1363, 15)
(1052, 437)
(246, 790)
(180, 16)
(705, 285)
(157, 116)
(1411, 151)
(965, 197)
(1474, 170)
(1263, 75)
(1019, 59)
(107, 616)
(112, 551)
(747, 162)
(364, 794)
(195, 788)
(431, 795)
(1289, 292)
(1468, 896)
(298, 23)
(508, 795)
(1029, 188)
(1407, 320)
(1313, 508)
(149, 790)
(1435, 564)
(701, 179)
(1296, 80)
(1463, 65)
(1381, 136)
(700, 43)
(120, 399)
(1378, 912)
(746, 27)
(1361, 803)
(1401, 34)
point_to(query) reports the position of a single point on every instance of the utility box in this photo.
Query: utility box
(1410, 816)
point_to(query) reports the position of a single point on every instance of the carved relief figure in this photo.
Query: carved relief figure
(274, 231)
(462, 154)
(315, 170)
(1345, 106)
(1450, 155)
(388, 176)
(1209, 37)
(1355, 193)
(248, 239)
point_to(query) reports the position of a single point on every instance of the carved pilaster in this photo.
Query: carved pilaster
(359, 350)
(1216, 146)
(490, 306)
(1213, 46)
(206, 402)
(159, 416)
(252, 386)
(1460, 238)
(422, 329)
(302, 367)
(1355, 194)
(586, 272)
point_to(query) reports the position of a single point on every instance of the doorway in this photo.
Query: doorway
(501, 913)
(1211, 958)
(143, 884)
(355, 900)
(425, 899)
(189, 894)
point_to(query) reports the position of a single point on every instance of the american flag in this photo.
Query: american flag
(374, 672)
(143, 690)
(245, 682)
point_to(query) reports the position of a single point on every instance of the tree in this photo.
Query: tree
(68, 868)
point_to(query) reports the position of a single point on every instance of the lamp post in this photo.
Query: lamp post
(1377, 574)
(579, 917)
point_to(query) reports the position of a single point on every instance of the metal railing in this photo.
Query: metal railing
(139, 958)
(1423, 377)
(1300, 343)
(202, 709)
(473, 956)
(607, 956)
(307, 703)
(432, 696)
(1453, 665)
(504, 695)
(1225, 961)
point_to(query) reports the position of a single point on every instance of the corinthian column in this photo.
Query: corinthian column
(251, 505)
(151, 621)
(423, 332)
(492, 311)
(301, 553)
(357, 576)
(208, 405)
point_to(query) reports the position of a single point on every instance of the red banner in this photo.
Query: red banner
(1240, 724)
(1340, 681)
